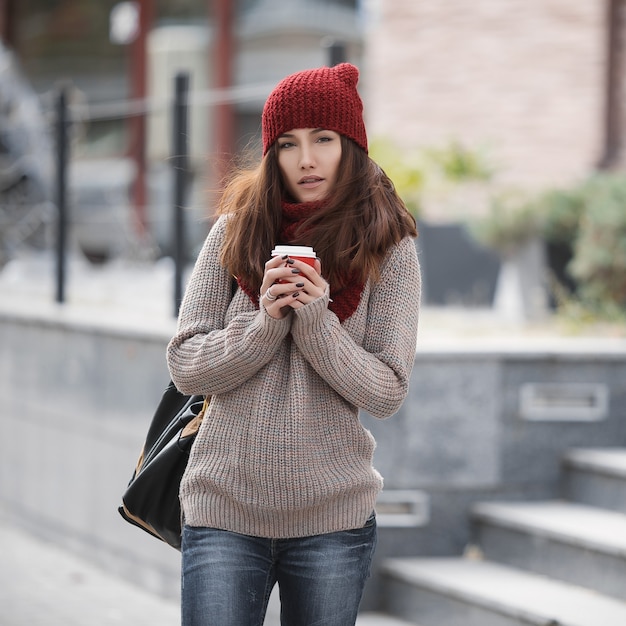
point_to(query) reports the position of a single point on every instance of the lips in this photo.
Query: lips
(309, 179)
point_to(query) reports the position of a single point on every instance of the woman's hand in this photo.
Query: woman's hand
(290, 284)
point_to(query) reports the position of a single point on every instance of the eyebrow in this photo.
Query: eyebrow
(314, 131)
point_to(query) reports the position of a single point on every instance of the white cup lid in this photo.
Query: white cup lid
(305, 251)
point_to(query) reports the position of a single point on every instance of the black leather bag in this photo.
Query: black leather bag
(151, 498)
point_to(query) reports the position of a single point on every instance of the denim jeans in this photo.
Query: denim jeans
(227, 578)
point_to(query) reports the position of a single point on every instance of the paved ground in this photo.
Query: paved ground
(44, 585)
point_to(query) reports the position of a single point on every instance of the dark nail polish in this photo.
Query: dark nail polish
(290, 261)
(295, 270)
(284, 257)
(300, 285)
(296, 294)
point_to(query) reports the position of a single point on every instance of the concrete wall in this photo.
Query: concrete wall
(75, 401)
(76, 397)
(469, 430)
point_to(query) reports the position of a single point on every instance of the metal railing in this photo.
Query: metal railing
(66, 116)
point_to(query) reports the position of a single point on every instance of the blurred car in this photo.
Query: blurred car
(25, 162)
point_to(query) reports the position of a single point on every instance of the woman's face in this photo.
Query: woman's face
(308, 159)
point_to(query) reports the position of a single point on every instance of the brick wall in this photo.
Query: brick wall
(523, 79)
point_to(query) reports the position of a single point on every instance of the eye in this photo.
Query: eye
(285, 144)
(324, 139)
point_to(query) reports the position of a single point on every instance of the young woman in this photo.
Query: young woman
(280, 486)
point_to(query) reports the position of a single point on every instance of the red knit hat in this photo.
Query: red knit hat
(325, 97)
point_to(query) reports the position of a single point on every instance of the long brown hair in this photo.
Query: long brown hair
(351, 232)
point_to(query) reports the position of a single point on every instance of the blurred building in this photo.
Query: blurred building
(537, 84)
(78, 41)
(533, 86)
(116, 54)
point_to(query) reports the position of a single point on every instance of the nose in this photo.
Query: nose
(307, 159)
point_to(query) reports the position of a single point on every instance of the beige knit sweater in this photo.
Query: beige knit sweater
(281, 452)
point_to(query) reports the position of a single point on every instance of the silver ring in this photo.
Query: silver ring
(270, 296)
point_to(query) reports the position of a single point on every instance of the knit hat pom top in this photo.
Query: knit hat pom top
(325, 97)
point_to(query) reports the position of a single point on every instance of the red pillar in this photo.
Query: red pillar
(137, 124)
(224, 115)
(7, 22)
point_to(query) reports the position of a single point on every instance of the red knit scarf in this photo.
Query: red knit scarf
(344, 301)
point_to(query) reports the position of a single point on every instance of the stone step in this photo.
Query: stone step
(571, 542)
(463, 592)
(596, 477)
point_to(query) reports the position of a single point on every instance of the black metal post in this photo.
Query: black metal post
(613, 131)
(336, 53)
(61, 193)
(180, 160)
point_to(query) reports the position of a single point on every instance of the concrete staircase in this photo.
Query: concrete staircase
(554, 563)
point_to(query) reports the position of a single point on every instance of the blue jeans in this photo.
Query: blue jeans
(227, 578)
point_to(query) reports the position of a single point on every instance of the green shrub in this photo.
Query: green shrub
(511, 222)
(560, 212)
(599, 263)
(405, 170)
(412, 171)
(589, 219)
(459, 164)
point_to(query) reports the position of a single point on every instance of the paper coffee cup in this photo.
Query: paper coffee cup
(301, 253)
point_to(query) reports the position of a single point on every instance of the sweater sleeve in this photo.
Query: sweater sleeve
(206, 355)
(373, 376)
